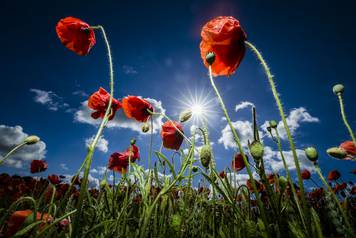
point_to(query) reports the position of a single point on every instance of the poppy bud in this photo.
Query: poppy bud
(273, 124)
(205, 155)
(133, 141)
(210, 58)
(30, 140)
(257, 150)
(338, 88)
(145, 128)
(195, 169)
(311, 153)
(185, 115)
(282, 182)
(336, 152)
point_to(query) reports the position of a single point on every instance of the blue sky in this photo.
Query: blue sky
(308, 45)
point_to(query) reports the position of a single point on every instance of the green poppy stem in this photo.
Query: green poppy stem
(342, 109)
(91, 149)
(283, 117)
(11, 152)
(237, 141)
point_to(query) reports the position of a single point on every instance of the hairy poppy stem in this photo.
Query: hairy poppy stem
(342, 109)
(11, 152)
(237, 141)
(283, 117)
(91, 149)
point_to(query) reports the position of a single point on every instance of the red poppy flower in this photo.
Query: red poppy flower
(237, 163)
(119, 161)
(222, 174)
(271, 178)
(38, 166)
(349, 147)
(99, 101)
(135, 107)
(172, 139)
(18, 218)
(75, 35)
(224, 36)
(260, 187)
(306, 174)
(340, 187)
(334, 175)
(54, 179)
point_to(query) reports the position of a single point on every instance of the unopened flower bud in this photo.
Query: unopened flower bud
(133, 141)
(195, 169)
(210, 58)
(337, 153)
(31, 140)
(257, 150)
(145, 128)
(205, 155)
(338, 88)
(282, 182)
(273, 124)
(311, 153)
(185, 115)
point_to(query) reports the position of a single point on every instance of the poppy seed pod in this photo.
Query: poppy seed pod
(185, 115)
(145, 128)
(257, 150)
(338, 88)
(273, 124)
(336, 153)
(311, 153)
(205, 155)
(31, 140)
(210, 58)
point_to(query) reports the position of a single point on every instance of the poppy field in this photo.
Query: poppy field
(182, 193)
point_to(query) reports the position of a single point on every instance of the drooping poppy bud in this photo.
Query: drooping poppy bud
(137, 108)
(311, 153)
(38, 166)
(224, 36)
(337, 153)
(54, 179)
(185, 115)
(273, 124)
(76, 35)
(256, 150)
(205, 155)
(171, 137)
(31, 140)
(338, 89)
(306, 174)
(99, 102)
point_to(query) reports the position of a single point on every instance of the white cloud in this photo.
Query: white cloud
(64, 166)
(93, 182)
(273, 160)
(12, 136)
(120, 120)
(294, 119)
(49, 99)
(244, 130)
(129, 69)
(100, 170)
(102, 144)
(243, 104)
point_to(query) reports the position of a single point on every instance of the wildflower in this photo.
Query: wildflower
(260, 187)
(271, 178)
(99, 101)
(238, 162)
(31, 140)
(38, 166)
(306, 174)
(137, 108)
(172, 138)
(119, 161)
(222, 174)
(54, 179)
(311, 153)
(17, 219)
(349, 148)
(64, 225)
(334, 175)
(76, 35)
(340, 187)
(224, 36)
